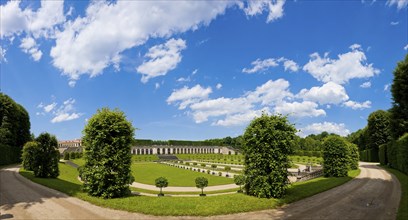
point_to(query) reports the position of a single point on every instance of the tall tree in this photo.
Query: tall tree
(378, 129)
(267, 142)
(399, 90)
(107, 139)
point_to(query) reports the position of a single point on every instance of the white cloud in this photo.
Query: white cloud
(28, 45)
(40, 23)
(291, 66)
(182, 79)
(299, 109)
(218, 86)
(64, 112)
(187, 96)
(366, 85)
(238, 111)
(348, 66)
(157, 85)
(394, 23)
(406, 47)
(50, 107)
(358, 105)
(162, 58)
(329, 93)
(261, 65)
(89, 44)
(330, 127)
(387, 86)
(3, 54)
(194, 72)
(275, 8)
(399, 3)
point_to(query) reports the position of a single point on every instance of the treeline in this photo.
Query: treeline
(385, 138)
(14, 130)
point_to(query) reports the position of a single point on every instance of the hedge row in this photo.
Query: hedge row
(9, 155)
(369, 155)
(308, 153)
(396, 154)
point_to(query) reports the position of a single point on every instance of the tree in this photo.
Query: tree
(214, 166)
(335, 156)
(42, 156)
(239, 180)
(107, 139)
(201, 182)
(161, 182)
(29, 155)
(227, 169)
(399, 90)
(268, 141)
(72, 155)
(378, 129)
(14, 130)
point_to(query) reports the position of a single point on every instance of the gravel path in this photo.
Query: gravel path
(374, 194)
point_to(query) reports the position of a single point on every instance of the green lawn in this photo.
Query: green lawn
(147, 173)
(182, 193)
(403, 179)
(68, 183)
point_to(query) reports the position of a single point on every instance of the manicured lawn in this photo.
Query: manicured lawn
(403, 206)
(194, 206)
(147, 173)
(182, 193)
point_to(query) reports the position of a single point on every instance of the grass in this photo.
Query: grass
(183, 193)
(403, 179)
(187, 206)
(147, 173)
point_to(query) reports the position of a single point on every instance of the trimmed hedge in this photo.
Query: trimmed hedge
(382, 154)
(369, 155)
(397, 154)
(9, 155)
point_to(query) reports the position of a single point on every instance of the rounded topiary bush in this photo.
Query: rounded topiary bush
(335, 156)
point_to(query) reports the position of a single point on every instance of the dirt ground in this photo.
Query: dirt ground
(374, 194)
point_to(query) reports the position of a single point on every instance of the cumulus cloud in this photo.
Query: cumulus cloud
(65, 112)
(240, 110)
(28, 45)
(406, 47)
(161, 59)
(357, 105)
(329, 93)
(89, 44)
(186, 96)
(16, 21)
(399, 3)
(366, 85)
(299, 109)
(218, 86)
(262, 65)
(330, 127)
(348, 66)
(274, 7)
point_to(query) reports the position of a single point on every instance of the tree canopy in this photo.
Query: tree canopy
(399, 90)
(267, 142)
(378, 129)
(107, 139)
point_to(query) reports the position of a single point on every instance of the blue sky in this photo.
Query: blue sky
(195, 69)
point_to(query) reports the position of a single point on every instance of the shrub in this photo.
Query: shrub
(208, 171)
(220, 173)
(107, 139)
(267, 142)
(72, 155)
(227, 169)
(203, 164)
(201, 183)
(239, 180)
(195, 163)
(42, 156)
(161, 182)
(66, 156)
(353, 156)
(335, 156)
(214, 166)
